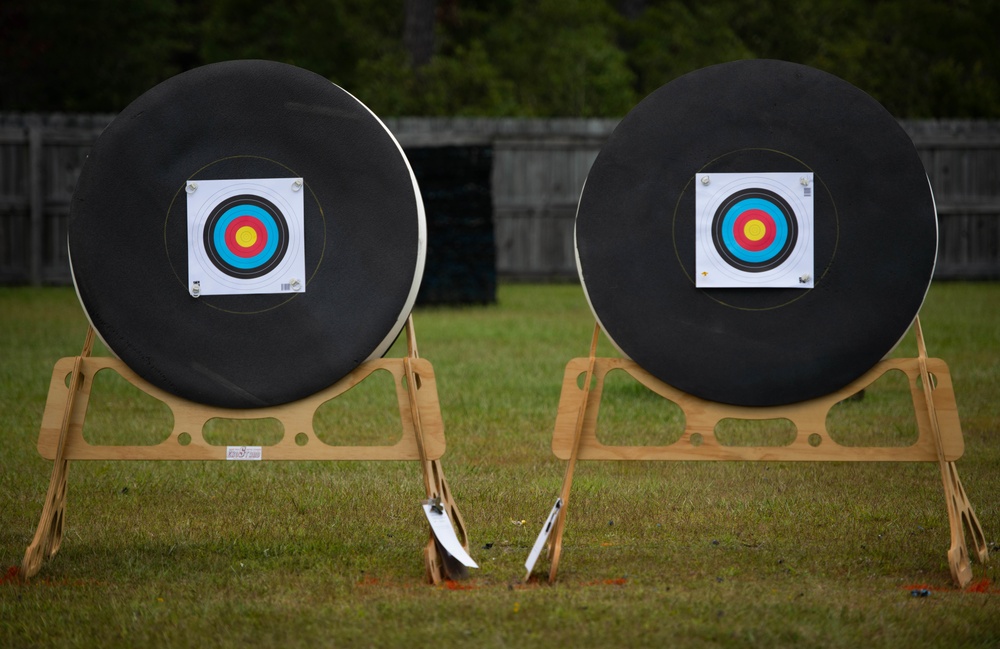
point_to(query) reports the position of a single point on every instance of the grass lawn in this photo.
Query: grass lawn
(307, 554)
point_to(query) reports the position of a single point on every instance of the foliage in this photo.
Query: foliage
(562, 58)
(85, 56)
(670, 39)
(920, 58)
(466, 83)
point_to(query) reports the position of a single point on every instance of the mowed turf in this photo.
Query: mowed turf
(307, 554)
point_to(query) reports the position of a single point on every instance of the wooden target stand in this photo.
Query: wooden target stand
(939, 439)
(61, 439)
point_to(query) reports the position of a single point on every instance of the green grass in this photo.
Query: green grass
(305, 554)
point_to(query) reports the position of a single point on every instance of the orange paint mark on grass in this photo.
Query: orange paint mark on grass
(982, 586)
(620, 581)
(11, 576)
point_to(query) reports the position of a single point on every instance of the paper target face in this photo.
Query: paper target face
(245, 236)
(754, 230)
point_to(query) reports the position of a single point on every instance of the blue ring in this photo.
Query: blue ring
(219, 237)
(751, 256)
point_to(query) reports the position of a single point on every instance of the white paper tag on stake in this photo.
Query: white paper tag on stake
(543, 536)
(445, 534)
(244, 453)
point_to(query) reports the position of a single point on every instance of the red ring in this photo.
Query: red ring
(234, 227)
(770, 230)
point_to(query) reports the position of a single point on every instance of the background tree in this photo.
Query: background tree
(668, 39)
(418, 33)
(920, 58)
(85, 56)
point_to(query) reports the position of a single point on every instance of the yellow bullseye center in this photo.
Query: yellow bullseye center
(754, 230)
(246, 236)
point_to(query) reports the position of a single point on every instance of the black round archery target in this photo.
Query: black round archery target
(363, 230)
(875, 234)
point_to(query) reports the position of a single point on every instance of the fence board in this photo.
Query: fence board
(539, 167)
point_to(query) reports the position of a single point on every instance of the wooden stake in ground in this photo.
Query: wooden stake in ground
(440, 565)
(555, 545)
(961, 518)
(48, 535)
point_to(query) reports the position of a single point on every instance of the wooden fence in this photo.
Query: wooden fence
(962, 160)
(40, 162)
(539, 167)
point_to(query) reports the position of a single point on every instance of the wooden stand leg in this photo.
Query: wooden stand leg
(440, 565)
(48, 535)
(961, 517)
(555, 546)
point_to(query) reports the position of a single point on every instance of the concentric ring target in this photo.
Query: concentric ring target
(247, 233)
(246, 236)
(795, 189)
(754, 230)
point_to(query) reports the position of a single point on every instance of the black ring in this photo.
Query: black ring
(790, 221)
(209, 234)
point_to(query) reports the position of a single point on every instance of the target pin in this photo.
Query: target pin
(705, 180)
(192, 187)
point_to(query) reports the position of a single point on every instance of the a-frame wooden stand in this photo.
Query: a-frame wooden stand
(939, 439)
(61, 438)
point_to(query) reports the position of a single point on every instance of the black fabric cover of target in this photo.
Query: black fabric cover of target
(238, 120)
(875, 234)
